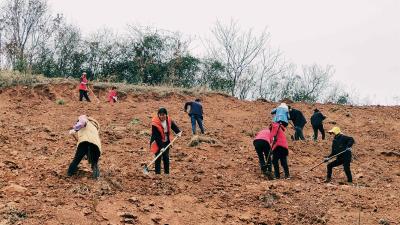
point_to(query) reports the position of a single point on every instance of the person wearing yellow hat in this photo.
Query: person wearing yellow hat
(341, 148)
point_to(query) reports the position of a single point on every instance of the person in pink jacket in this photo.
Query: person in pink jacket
(279, 146)
(262, 144)
(112, 95)
(83, 89)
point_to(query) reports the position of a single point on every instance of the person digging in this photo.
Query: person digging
(262, 144)
(89, 144)
(161, 135)
(279, 148)
(341, 147)
(195, 111)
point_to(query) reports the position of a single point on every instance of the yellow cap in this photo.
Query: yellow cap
(335, 130)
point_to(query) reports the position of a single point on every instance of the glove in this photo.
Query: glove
(72, 131)
(326, 159)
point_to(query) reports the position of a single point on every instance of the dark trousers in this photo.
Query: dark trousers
(321, 129)
(93, 153)
(165, 158)
(83, 94)
(280, 154)
(285, 124)
(262, 148)
(346, 167)
(193, 119)
(298, 134)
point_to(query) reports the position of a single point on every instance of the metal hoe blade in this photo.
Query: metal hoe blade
(145, 169)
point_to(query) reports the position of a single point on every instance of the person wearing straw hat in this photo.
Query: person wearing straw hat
(341, 146)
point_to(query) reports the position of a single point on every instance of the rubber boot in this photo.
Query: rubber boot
(96, 171)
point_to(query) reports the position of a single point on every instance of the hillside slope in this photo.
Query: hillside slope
(217, 183)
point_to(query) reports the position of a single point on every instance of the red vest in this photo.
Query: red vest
(157, 123)
(82, 85)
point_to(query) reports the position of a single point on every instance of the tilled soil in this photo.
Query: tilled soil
(212, 182)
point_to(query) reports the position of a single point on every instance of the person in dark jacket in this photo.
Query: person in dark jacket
(316, 122)
(195, 111)
(341, 145)
(161, 135)
(299, 121)
(262, 144)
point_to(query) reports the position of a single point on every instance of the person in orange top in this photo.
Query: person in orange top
(83, 90)
(161, 135)
(112, 95)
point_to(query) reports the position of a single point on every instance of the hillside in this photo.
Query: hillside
(217, 183)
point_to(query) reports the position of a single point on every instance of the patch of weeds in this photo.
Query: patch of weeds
(60, 102)
(135, 121)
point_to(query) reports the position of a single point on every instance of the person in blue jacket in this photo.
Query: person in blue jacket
(281, 114)
(195, 111)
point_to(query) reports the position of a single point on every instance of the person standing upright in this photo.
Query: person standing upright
(83, 89)
(317, 124)
(162, 127)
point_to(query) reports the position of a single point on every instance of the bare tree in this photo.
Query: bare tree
(67, 43)
(284, 85)
(314, 80)
(2, 26)
(272, 66)
(337, 94)
(24, 20)
(237, 49)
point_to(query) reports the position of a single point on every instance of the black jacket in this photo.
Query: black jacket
(156, 136)
(317, 118)
(340, 143)
(297, 117)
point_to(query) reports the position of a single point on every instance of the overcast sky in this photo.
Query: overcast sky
(361, 38)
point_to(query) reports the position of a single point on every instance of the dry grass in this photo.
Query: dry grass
(197, 139)
(161, 91)
(15, 78)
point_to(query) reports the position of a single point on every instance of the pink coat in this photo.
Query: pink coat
(264, 134)
(280, 138)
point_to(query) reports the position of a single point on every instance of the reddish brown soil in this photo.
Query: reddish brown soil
(209, 184)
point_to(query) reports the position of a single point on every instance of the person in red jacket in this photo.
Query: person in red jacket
(279, 148)
(112, 95)
(83, 90)
(161, 135)
(262, 144)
